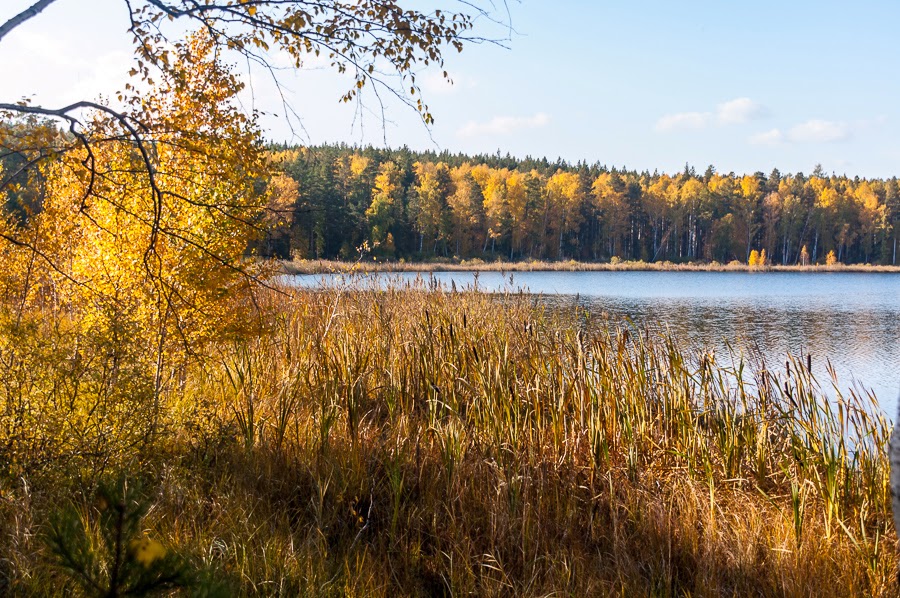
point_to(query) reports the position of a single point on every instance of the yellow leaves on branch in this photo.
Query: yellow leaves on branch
(128, 264)
(160, 225)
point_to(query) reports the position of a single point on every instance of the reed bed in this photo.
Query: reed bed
(419, 442)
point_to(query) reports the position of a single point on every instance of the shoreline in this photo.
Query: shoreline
(297, 267)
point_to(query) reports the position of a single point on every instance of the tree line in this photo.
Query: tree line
(332, 201)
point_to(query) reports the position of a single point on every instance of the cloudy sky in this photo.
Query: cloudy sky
(744, 86)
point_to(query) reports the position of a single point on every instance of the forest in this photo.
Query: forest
(334, 201)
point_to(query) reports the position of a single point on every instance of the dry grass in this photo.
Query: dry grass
(419, 442)
(477, 265)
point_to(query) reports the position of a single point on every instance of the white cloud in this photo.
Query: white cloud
(773, 137)
(811, 131)
(732, 112)
(819, 131)
(739, 111)
(37, 45)
(503, 125)
(52, 70)
(683, 120)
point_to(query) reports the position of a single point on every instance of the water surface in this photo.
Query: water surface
(849, 319)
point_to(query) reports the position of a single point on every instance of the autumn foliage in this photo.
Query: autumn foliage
(124, 273)
(494, 207)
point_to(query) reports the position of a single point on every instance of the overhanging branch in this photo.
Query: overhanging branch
(29, 13)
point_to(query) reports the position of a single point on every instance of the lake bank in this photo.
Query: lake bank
(476, 265)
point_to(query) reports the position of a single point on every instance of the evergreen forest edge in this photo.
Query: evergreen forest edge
(338, 202)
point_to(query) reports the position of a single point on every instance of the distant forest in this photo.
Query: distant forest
(330, 201)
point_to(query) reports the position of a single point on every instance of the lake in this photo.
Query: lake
(851, 319)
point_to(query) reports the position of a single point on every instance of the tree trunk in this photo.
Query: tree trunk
(815, 255)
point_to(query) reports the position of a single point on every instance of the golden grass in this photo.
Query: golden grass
(413, 441)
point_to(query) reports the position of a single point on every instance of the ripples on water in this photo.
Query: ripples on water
(849, 319)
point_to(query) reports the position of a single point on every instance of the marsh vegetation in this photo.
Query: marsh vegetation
(415, 441)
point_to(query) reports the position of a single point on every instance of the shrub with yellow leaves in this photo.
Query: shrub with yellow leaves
(121, 279)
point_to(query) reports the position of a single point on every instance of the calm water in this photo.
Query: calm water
(851, 319)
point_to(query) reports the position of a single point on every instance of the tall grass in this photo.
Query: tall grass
(414, 441)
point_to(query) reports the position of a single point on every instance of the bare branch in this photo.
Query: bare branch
(29, 13)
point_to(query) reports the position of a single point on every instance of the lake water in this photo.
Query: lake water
(851, 319)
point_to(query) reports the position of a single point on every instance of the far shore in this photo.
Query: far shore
(477, 265)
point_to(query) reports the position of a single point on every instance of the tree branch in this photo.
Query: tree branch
(29, 13)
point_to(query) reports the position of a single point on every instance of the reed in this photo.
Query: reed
(416, 441)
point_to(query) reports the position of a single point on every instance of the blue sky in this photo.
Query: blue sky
(744, 86)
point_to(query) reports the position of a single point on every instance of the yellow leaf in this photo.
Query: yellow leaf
(146, 551)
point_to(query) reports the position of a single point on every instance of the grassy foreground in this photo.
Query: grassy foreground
(418, 442)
